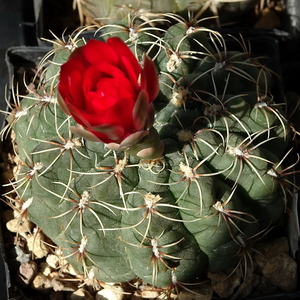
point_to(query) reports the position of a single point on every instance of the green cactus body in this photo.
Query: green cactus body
(180, 215)
(108, 11)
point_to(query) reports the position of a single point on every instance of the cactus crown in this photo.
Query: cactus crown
(220, 180)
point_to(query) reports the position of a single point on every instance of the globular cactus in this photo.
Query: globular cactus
(214, 179)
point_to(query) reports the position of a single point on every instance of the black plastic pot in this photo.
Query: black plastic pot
(17, 59)
(17, 23)
(57, 16)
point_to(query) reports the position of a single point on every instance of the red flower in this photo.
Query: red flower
(105, 89)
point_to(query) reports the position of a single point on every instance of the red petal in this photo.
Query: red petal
(151, 78)
(108, 132)
(77, 52)
(125, 86)
(96, 51)
(70, 84)
(123, 51)
(80, 116)
(89, 86)
(130, 72)
(99, 93)
(121, 113)
(140, 110)
(62, 104)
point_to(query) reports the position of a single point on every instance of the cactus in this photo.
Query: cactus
(220, 180)
(107, 11)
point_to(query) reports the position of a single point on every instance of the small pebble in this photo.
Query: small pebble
(52, 260)
(19, 226)
(35, 243)
(247, 286)
(281, 271)
(111, 293)
(27, 272)
(81, 294)
(45, 268)
(21, 256)
(224, 283)
(171, 296)
(150, 294)
(64, 285)
(268, 250)
(41, 282)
